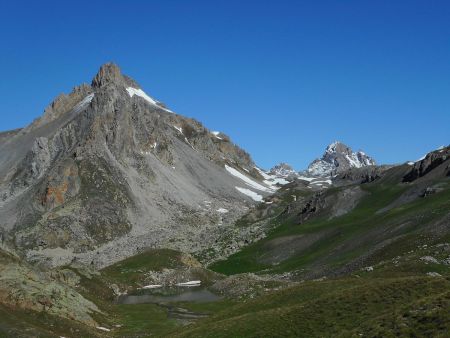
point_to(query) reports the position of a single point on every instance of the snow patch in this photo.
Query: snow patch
(422, 158)
(247, 180)
(216, 134)
(155, 286)
(190, 283)
(263, 173)
(222, 210)
(276, 180)
(83, 103)
(139, 92)
(304, 178)
(353, 160)
(103, 329)
(253, 195)
(179, 129)
(271, 180)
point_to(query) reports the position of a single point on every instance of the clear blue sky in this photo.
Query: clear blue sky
(282, 78)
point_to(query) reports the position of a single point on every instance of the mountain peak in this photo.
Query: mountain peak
(283, 170)
(337, 147)
(108, 73)
(338, 157)
(283, 165)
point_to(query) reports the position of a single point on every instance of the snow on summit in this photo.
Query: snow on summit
(216, 134)
(139, 92)
(337, 158)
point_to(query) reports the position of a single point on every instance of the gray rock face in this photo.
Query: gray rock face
(108, 73)
(62, 104)
(360, 175)
(338, 158)
(430, 162)
(108, 170)
(39, 157)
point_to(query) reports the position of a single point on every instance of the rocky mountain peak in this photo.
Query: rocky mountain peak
(108, 73)
(337, 147)
(337, 158)
(122, 160)
(282, 170)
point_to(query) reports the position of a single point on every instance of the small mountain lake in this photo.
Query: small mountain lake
(195, 295)
(171, 298)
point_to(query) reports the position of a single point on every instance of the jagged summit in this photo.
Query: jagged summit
(337, 158)
(110, 73)
(109, 81)
(336, 146)
(283, 170)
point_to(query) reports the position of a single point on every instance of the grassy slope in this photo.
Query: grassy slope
(143, 320)
(20, 323)
(356, 226)
(130, 271)
(384, 307)
(396, 299)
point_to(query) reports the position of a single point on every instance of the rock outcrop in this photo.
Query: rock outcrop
(27, 288)
(428, 163)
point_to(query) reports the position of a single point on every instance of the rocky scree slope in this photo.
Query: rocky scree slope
(108, 170)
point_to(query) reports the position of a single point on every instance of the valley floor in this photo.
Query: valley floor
(408, 296)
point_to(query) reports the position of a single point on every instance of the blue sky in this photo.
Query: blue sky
(282, 78)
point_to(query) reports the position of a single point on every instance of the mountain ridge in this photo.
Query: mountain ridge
(97, 155)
